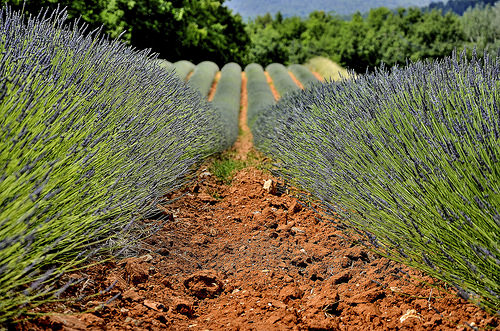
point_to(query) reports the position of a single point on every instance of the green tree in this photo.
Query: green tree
(435, 35)
(322, 35)
(352, 46)
(374, 43)
(178, 29)
(482, 28)
(393, 38)
(266, 46)
(183, 29)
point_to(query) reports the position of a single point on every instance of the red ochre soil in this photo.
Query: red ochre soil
(248, 256)
(188, 77)
(318, 76)
(240, 257)
(244, 144)
(297, 82)
(271, 85)
(213, 88)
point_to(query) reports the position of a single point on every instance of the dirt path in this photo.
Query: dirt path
(247, 256)
(211, 93)
(296, 81)
(318, 76)
(271, 85)
(244, 143)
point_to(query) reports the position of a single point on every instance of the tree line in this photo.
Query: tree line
(382, 36)
(176, 29)
(208, 30)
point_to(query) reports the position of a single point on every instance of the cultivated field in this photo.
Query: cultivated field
(132, 195)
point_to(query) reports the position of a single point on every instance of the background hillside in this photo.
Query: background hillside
(252, 8)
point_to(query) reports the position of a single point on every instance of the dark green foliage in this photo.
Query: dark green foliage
(183, 68)
(203, 77)
(360, 43)
(200, 30)
(227, 101)
(304, 75)
(260, 96)
(281, 78)
(270, 39)
(409, 157)
(88, 10)
(93, 135)
(409, 34)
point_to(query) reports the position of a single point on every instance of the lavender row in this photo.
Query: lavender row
(203, 77)
(260, 96)
(227, 101)
(93, 135)
(183, 68)
(410, 158)
(281, 78)
(303, 74)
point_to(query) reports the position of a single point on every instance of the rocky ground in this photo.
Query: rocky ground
(243, 256)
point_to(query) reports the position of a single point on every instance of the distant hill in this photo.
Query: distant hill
(458, 6)
(253, 8)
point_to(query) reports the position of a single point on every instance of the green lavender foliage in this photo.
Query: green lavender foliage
(260, 96)
(183, 68)
(164, 64)
(410, 157)
(227, 100)
(304, 75)
(281, 78)
(203, 77)
(93, 134)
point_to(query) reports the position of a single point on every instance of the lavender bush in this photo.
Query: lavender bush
(281, 78)
(183, 68)
(203, 77)
(93, 134)
(227, 101)
(167, 65)
(303, 74)
(260, 96)
(410, 157)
